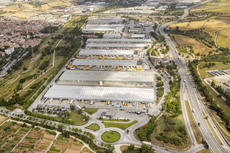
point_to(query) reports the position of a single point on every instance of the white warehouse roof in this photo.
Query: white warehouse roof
(105, 20)
(112, 76)
(101, 93)
(98, 62)
(103, 27)
(122, 40)
(106, 52)
(137, 35)
(102, 45)
(112, 35)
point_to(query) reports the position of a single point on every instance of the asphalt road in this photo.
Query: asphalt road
(188, 88)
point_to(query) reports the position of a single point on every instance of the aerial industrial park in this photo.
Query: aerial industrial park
(131, 76)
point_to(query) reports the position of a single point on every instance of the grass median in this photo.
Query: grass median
(91, 110)
(94, 127)
(122, 126)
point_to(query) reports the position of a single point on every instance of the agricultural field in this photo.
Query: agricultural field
(37, 140)
(67, 145)
(26, 10)
(16, 137)
(10, 135)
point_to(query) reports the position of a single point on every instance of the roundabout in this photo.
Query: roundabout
(110, 136)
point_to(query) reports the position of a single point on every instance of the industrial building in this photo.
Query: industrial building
(92, 93)
(112, 63)
(107, 20)
(112, 35)
(120, 41)
(111, 69)
(103, 28)
(138, 36)
(113, 53)
(116, 46)
(107, 76)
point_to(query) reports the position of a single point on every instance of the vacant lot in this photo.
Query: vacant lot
(198, 47)
(2, 119)
(222, 6)
(217, 27)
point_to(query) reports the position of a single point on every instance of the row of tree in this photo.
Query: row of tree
(144, 149)
(208, 96)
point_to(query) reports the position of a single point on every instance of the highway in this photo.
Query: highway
(189, 91)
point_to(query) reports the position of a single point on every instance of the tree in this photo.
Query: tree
(146, 149)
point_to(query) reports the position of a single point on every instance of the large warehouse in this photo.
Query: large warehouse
(115, 46)
(102, 28)
(97, 62)
(114, 52)
(93, 93)
(107, 76)
(108, 20)
(122, 40)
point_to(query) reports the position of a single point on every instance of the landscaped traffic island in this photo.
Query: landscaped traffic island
(94, 127)
(110, 136)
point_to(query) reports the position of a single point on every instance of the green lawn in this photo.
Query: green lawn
(93, 127)
(122, 126)
(91, 110)
(77, 118)
(110, 136)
